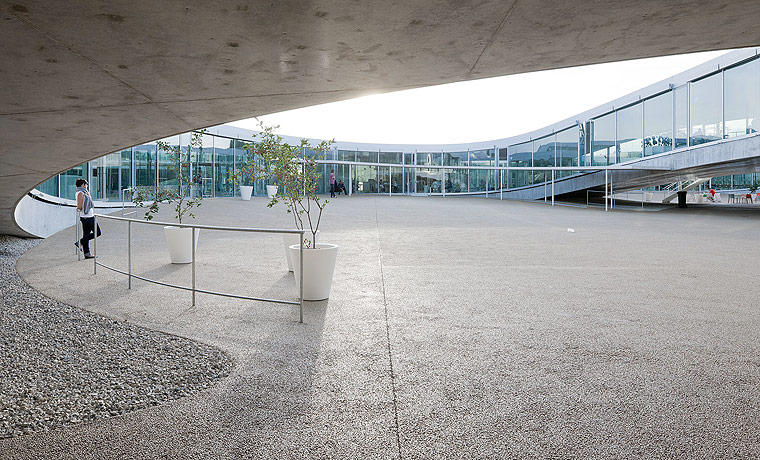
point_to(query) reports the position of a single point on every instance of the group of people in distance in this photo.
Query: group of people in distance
(336, 187)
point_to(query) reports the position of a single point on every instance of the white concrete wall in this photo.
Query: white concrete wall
(44, 219)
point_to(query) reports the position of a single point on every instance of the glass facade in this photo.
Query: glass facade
(706, 110)
(658, 124)
(742, 104)
(603, 141)
(567, 150)
(543, 157)
(629, 129)
(724, 104)
(520, 156)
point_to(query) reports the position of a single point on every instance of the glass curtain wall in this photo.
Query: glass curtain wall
(567, 150)
(603, 140)
(742, 93)
(366, 179)
(481, 179)
(630, 126)
(397, 180)
(724, 104)
(167, 175)
(224, 162)
(658, 124)
(520, 156)
(681, 116)
(706, 110)
(50, 186)
(456, 179)
(543, 156)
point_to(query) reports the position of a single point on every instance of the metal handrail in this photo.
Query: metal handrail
(192, 288)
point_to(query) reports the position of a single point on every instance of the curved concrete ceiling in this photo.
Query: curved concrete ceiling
(84, 78)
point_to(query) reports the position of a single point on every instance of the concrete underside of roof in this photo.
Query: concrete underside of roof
(81, 79)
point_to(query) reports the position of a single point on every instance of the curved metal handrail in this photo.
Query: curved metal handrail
(192, 288)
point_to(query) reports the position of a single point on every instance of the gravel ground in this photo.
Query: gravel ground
(60, 365)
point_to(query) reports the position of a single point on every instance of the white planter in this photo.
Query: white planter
(318, 269)
(699, 197)
(271, 191)
(648, 196)
(245, 192)
(288, 240)
(179, 240)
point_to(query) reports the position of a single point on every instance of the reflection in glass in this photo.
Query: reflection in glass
(681, 116)
(429, 159)
(366, 179)
(658, 124)
(69, 178)
(603, 140)
(456, 180)
(543, 156)
(428, 180)
(397, 180)
(706, 103)
(50, 186)
(383, 179)
(167, 175)
(391, 157)
(224, 153)
(366, 157)
(145, 165)
(630, 127)
(520, 155)
(742, 92)
(456, 159)
(346, 155)
(567, 150)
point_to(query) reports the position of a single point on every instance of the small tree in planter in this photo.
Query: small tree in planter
(298, 174)
(246, 175)
(178, 239)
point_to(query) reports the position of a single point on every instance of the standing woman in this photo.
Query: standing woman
(84, 205)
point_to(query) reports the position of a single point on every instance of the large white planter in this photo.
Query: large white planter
(648, 196)
(288, 240)
(271, 191)
(179, 240)
(318, 269)
(699, 197)
(245, 192)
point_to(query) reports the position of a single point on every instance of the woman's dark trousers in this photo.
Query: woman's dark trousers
(88, 224)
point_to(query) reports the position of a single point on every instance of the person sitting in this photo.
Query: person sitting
(341, 187)
(711, 197)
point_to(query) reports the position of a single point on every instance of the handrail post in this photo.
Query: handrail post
(300, 287)
(129, 253)
(193, 242)
(94, 244)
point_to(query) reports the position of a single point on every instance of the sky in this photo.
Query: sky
(480, 110)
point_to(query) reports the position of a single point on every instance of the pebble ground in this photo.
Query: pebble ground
(60, 365)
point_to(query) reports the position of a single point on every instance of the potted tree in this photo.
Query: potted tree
(178, 239)
(299, 177)
(245, 176)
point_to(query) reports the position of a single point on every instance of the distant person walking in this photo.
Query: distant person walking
(332, 183)
(87, 217)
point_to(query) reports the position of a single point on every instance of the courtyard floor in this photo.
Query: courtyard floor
(456, 328)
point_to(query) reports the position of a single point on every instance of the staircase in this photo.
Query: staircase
(685, 185)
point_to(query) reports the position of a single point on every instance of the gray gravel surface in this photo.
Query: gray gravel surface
(60, 365)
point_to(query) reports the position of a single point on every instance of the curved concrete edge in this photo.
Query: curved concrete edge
(40, 219)
(40, 215)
